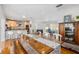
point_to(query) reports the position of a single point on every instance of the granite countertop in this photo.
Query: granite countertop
(49, 43)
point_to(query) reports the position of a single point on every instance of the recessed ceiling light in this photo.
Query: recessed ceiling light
(30, 22)
(23, 16)
(46, 28)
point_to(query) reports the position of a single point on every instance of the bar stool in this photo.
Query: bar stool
(19, 33)
(10, 33)
(57, 37)
(46, 35)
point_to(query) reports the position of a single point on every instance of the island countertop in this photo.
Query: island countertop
(49, 43)
(40, 41)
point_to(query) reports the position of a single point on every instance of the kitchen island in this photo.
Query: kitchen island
(38, 45)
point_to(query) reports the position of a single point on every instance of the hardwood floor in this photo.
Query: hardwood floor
(5, 51)
(66, 51)
(7, 46)
(17, 48)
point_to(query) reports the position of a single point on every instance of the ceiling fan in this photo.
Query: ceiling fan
(59, 5)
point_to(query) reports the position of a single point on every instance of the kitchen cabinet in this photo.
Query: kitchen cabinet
(69, 32)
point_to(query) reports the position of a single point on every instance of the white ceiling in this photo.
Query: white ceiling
(33, 12)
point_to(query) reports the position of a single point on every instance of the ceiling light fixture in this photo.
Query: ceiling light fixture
(23, 16)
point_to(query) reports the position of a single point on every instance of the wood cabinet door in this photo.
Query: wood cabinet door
(77, 33)
(62, 30)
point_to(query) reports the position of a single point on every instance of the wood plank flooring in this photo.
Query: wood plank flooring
(66, 51)
(14, 47)
(7, 45)
(17, 49)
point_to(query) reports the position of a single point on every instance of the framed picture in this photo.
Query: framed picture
(77, 18)
(67, 18)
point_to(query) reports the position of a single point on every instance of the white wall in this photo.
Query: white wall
(2, 24)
